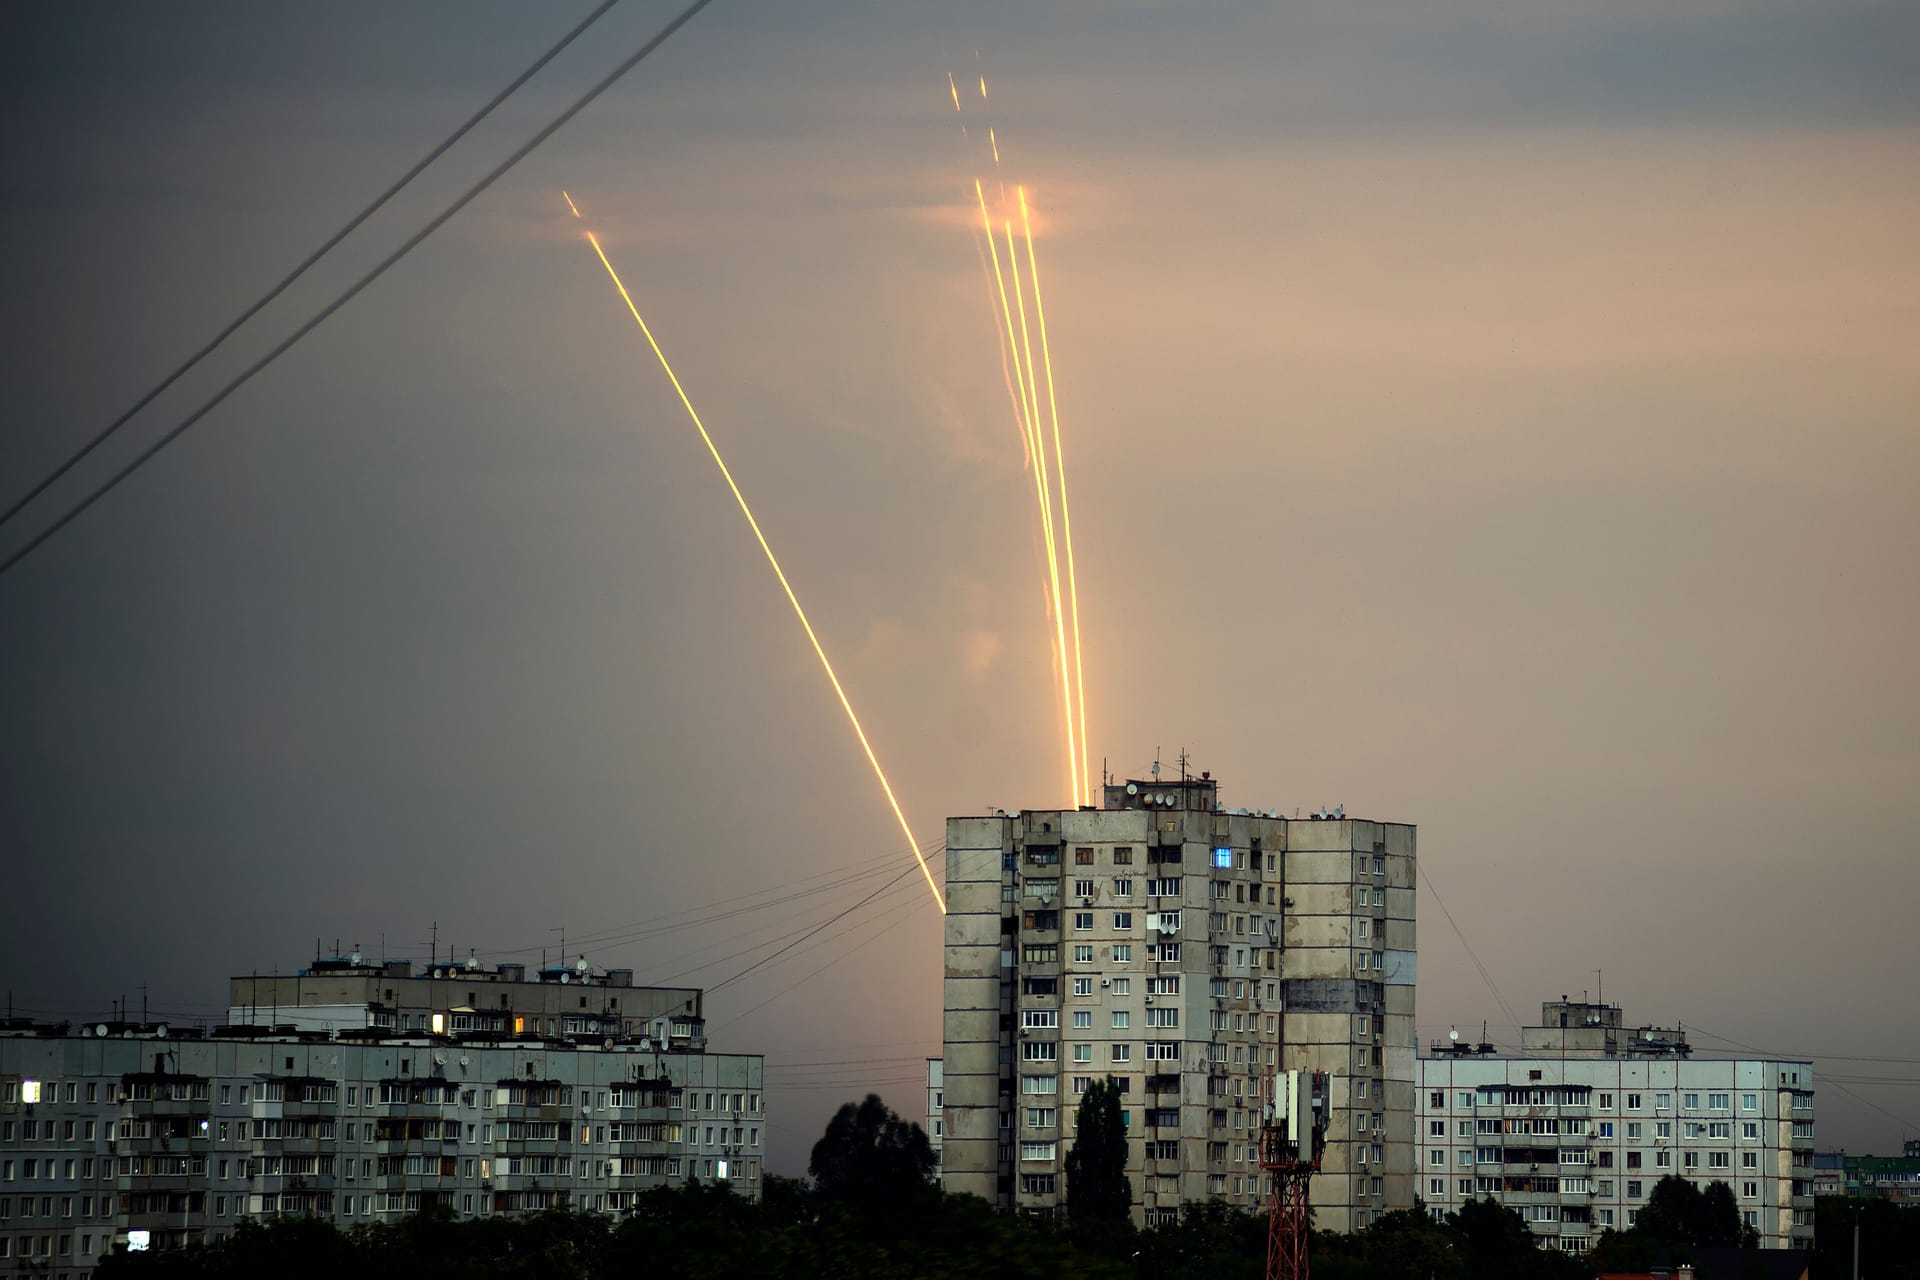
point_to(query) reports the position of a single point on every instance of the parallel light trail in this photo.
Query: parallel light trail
(1053, 545)
(1039, 460)
(1066, 520)
(1056, 531)
(819, 650)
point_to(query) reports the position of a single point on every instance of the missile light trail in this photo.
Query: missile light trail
(1046, 505)
(1052, 584)
(1060, 471)
(1016, 343)
(819, 650)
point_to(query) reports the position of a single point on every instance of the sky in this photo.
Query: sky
(1501, 417)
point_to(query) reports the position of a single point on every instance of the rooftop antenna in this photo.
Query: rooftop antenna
(1600, 987)
(1183, 766)
(433, 947)
(1156, 764)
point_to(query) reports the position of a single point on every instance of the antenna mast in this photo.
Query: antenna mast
(1293, 1134)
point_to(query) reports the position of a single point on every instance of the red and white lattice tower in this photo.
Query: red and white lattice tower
(1293, 1133)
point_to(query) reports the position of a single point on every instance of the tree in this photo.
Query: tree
(1679, 1212)
(870, 1158)
(1097, 1186)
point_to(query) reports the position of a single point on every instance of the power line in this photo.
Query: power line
(727, 982)
(472, 193)
(1486, 977)
(278, 289)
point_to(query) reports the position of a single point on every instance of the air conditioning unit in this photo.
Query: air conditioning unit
(1149, 999)
(1105, 983)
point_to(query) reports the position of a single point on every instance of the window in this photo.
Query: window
(1082, 1019)
(1041, 1117)
(1163, 1051)
(1436, 1128)
(1039, 1051)
(1437, 1157)
(1663, 1102)
(1046, 953)
(1691, 1101)
(1633, 1160)
(1122, 1053)
(1606, 1128)
(1038, 1150)
(1123, 986)
(1169, 953)
(1719, 1160)
(1718, 1102)
(1123, 953)
(1083, 857)
(1164, 888)
(1166, 1016)
(1636, 1189)
(1633, 1130)
(1083, 1053)
(1466, 1099)
(1720, 1129)
(1466, 1158)
(1749, 1190)
(1749, 1159)
(1083, 986)
(1123, 919)
(1633, 1102)
(1749, 1102)
(1123, 856)
(1082, 954)
(1083, 888)
(1605, 1102)
(1123, 888)
(1122, 1019)
(1223, 857)
(1039, 1019)
(1082, 921)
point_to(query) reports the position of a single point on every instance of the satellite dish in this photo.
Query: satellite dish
(581, 965)
(162, 1028)
(1453, 1035)
(100, 1030)
(439, 1059)
(1133, 789)
(566, 977)
(86, 1031)
(463, 1059)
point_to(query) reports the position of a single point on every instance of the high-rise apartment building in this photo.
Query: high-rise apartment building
(1189, 951)
(1574, 1131)
(362, 1092)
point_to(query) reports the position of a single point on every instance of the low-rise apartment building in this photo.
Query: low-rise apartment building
(116, 1135)
(1574, 1131)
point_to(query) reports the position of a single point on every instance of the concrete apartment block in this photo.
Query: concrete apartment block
(1189, 951)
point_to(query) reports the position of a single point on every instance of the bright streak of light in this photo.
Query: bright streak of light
(570, 204)
(1066, 520)
(1053, 551)
(778, 572)
(983, 85)
(1006, 369)
(956, 91)
(1032, 430)
(996, 146)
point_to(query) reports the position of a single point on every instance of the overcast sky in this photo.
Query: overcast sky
(1502, 417)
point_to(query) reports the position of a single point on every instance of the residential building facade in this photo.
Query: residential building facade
(1574, 1131)
(1189, 951)
(1895, 1178)
(116, 1135)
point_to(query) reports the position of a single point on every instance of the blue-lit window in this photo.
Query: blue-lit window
(1223, 857)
